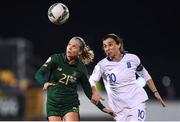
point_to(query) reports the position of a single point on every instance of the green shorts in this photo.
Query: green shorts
(62, 112)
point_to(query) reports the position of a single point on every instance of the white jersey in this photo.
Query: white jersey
(120, 81)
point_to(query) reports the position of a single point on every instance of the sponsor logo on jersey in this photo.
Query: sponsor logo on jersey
(59, 69)
(74, 73)
(94, 71)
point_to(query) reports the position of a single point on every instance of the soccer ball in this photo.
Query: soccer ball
(58, 13)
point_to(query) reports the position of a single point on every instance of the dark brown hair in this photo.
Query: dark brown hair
(116, 38)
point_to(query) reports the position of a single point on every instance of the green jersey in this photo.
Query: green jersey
(66, 78)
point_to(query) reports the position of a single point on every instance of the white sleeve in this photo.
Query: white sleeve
(95, 76)
(144, 74)
(141, 70)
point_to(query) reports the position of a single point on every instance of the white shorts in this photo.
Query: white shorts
(137, 113)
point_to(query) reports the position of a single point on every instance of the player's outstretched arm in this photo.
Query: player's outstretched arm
(95, 99)
(158, 97)
(90, 92)
(153, 88)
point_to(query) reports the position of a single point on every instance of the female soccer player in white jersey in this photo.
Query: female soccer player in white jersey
(118, 71)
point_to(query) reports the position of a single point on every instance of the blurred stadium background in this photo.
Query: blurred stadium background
(27, 39)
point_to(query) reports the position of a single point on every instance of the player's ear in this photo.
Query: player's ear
(119, 45)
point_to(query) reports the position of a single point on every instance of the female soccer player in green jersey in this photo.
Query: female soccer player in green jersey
(65, 71)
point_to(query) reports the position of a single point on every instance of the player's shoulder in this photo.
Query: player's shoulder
(56, 57)
(81, 67)
(131, 55)
(103, 61)
(81, 64)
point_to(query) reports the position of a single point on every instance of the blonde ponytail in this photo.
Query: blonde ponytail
(87, 55)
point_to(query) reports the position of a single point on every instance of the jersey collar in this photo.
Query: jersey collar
(122, 54)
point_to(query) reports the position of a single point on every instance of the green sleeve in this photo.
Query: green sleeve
(43, 73)
(88, 91)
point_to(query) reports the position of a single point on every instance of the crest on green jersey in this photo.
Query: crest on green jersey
(74, 73)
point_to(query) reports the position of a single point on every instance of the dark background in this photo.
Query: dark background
(150, 30)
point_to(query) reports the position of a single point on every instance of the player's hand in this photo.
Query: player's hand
(108, 111)
(47, 84)
(158, 97)
(96, 98)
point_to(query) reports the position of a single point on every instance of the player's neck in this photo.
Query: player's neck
(70, 60)
(117, 58)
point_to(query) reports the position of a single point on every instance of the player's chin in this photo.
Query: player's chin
(68, 53)
(110, 55)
